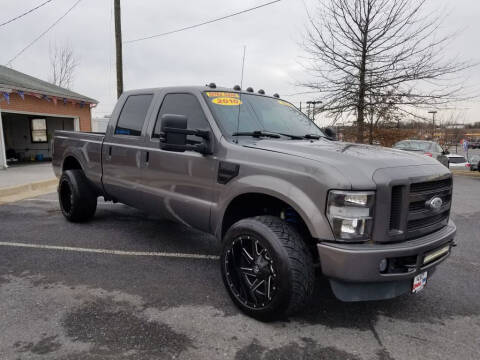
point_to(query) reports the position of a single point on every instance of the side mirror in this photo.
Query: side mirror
(446, 152)
(173, 135)
(170, 138)
(332, 134)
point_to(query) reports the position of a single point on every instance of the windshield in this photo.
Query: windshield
(413, 145)
(243, 113)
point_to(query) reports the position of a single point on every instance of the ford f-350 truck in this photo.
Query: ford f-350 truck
(281, 196)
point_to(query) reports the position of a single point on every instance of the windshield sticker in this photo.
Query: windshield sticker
(226, 101)
(223, 94)
(281, 102)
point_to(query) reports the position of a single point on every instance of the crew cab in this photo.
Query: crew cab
(281, 196)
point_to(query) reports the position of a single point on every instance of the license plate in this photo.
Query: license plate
(419, 282)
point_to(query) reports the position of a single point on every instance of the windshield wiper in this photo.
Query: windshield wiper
(312, 136)
(258, 133)
(294, 137)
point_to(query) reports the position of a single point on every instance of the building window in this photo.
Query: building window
(39, 130)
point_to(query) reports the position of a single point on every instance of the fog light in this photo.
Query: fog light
(383, 265)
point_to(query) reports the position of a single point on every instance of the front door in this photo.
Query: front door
(179, 184)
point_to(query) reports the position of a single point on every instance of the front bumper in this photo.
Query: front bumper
(354, 273)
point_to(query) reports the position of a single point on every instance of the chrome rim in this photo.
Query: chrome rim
(250, 272)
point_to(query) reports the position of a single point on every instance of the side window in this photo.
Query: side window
(183, 104)
(133, 115)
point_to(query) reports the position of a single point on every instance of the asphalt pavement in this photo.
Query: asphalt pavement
(130, 286)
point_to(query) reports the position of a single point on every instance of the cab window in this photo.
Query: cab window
(133, 114)
(187, 105)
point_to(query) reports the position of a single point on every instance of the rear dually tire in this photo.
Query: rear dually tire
(78, 201)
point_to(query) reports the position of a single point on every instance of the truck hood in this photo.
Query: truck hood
(353, 160)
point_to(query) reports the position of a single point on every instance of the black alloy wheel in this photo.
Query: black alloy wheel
(78, 200)
(65, 195)
(250, 272)
(266, 267)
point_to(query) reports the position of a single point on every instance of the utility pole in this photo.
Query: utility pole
(118, 45)
(433, 112)
(311, 114)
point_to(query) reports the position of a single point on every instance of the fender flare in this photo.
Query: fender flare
(278, 188)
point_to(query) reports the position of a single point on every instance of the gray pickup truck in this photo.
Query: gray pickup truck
(281, 196)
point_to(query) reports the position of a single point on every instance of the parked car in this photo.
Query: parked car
(428, 148)
(280, 196)
(458, 162)
(474, 144)
(474, 161)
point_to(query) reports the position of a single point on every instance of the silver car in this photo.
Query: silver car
(427, 148)
(458, 162)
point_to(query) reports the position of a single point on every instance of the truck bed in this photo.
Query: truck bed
(85, 147)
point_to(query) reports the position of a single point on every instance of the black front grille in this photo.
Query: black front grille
(431, 185)
(420, 205)
(421, 219)
(427, 221)
(396, 207)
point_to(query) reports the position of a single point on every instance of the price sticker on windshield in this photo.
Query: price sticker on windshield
(227, 101)
(216, 94)
(281, 102)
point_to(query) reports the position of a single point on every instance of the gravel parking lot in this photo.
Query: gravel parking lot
(151, 289)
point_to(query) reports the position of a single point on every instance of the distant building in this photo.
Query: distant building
(31, 110)
(100, 124)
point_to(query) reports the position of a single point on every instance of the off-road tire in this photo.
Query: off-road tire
(78, 201)
(292, 263)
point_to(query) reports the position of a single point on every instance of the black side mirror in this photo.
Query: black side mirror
(332, 134)
(173, 136)
(170, 139)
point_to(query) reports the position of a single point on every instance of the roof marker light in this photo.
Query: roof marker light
(249, 89)
(261, 92)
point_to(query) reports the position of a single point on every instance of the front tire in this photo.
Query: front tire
(266, 267)
(78, 201)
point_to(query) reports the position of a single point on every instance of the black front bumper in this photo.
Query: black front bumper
(354, 272)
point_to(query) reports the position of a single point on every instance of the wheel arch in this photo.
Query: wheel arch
(70, 162)
(251, 204)
(259, 187)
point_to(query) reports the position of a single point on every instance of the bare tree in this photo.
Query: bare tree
(63, 63)
(367, 53)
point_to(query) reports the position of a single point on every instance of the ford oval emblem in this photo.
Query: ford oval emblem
(434, 203)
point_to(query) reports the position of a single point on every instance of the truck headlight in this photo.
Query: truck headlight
(350, 214)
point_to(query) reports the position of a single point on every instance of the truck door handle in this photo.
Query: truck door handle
(147, 157)
(109, 151)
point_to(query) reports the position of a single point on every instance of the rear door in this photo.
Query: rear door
(123, 150)
(179, 184)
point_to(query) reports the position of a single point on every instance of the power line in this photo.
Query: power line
(201, 24)
(25, 13)
(43, 33)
